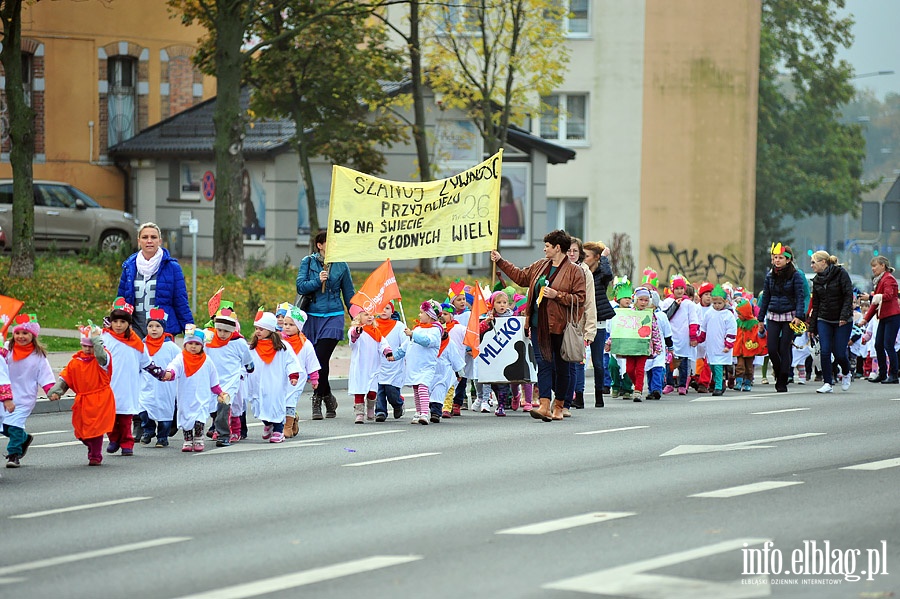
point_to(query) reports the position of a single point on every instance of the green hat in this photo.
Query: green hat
(622, 288)
(719, 292)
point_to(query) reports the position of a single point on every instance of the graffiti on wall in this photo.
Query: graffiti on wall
(715, 268)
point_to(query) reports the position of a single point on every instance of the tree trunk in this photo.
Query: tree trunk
(228, 244)
(21, 134)
(426, 265)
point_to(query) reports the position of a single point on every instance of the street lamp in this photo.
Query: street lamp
(872, 74)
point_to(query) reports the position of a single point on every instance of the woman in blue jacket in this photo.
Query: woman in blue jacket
(784, 301)
(151, 277)
(325, 315)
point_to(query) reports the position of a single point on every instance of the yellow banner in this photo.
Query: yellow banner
(372, 219)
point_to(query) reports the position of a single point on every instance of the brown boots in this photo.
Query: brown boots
(543, 411)
(289, 426)
(558, 407)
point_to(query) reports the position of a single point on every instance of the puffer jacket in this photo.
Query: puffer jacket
(339, 283)
(171, 292)
(832, 296)
(552, 313)
(782, 294)
(603, 276)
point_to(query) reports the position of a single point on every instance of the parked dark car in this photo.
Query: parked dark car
(66, 218)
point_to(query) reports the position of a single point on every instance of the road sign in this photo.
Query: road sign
(184, 218)
(208, 185)
(194, 226)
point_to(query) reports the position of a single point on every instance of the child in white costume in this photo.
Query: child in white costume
(157, 401)
(800, 350)
(129, 359)
(367, 348)
(307, 361)
(228, 350)
(718, 330)
(28, 371)
(6, 401)
(196, 378)
(421, 357)
(684, 317)
(451, 360)
(276, 371)
(390, 373)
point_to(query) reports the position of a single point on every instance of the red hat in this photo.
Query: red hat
(705, 288)
(678, 281)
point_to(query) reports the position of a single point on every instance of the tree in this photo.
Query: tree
(808, 162)
(494, 59)
(328, 81)
(21, 135)
(224, 53)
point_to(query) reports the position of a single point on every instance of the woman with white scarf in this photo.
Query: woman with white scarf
(151, 277)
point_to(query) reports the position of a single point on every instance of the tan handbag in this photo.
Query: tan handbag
(572, 349)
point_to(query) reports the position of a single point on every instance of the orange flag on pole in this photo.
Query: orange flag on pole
(479, 309)
(379, 289)
(9, 307)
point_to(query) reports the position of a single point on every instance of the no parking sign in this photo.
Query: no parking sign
(208, 186)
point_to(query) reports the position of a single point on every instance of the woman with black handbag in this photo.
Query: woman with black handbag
(323, 289)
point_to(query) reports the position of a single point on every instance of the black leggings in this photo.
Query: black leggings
(780, 341)
(324, 348)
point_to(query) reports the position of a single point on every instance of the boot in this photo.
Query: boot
(543, 411)
(295, 429)
(289, 426)
(317, 407)
(558, 407)
(370, 409)
(359, 413)
(578, 402)
(235, 425)
(598, 397)
(738, 384)
(330, 405)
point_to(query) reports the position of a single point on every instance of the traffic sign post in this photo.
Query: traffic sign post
(193, 228)
(208, 186)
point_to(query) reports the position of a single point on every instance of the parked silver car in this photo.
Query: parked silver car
(68, 219)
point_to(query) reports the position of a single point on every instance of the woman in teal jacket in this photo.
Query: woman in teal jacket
(325, 315)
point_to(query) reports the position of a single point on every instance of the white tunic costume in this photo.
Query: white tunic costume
(719, 326)
(231, 361)
(686, 315)
(26, 377)
(449, 363)
(157, 397)
(193, 391)
(421, 355)
(127, 368)
(272, 384)
(366, 355)
(392, 373)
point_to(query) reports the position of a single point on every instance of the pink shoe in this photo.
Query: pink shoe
(267, 431)
(199, 446)
(514, 404)
(526, 407)
(187, 446)
(277, 438)
(668, 389)
(234, 437)
(682, 391)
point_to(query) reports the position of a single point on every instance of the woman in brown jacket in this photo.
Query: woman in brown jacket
(562, 283)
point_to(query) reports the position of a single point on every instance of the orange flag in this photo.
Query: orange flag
(9, 307)
(214, 302)
(379, 289)
(479, 309)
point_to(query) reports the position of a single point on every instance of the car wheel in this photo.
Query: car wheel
(113, 241)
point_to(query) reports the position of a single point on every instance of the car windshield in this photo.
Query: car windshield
(88, 200)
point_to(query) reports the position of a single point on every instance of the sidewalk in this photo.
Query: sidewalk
(340, 370)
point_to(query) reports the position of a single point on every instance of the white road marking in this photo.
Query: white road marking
(779, 411)
(686, 449)
(244, 447)
(77, 557)
(371, 434)
(76, 508)
(50, 433)
(397, 459)
(766, 485)
(879, 465)
(612, 430)
(630, 581)
(731, 396)
(564, 523)
(306, 577)
(63, 444)
(11, 580)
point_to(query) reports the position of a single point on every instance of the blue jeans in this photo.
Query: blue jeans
(884, 345)
(459, 395)
(576, 381)
(833, 339)
(598, 361)
(553, 371)
(387, 394)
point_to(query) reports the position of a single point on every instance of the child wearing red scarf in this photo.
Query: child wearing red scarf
(367, 346)
(276, 371)
(29, 370)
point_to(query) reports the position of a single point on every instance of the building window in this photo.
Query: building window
(567, 214)
(27, 77)
(564, 117)
(459, 17)
(578, 22)
(191, 178)
(122, 98)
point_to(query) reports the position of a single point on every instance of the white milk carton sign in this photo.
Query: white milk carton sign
(505, 354)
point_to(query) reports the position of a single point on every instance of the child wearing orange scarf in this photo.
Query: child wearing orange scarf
(276, 371)
(367, 347)
(157, 401)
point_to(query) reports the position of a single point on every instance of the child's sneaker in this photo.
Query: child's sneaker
(446, 414)
(476, 405)
(187, 446)
(718, 392)
(845, 382)
(748, 386)
(826, 388)
(668, 389)
(526, 407)
(398, 411)
(234, 437)
(12, 461)
(499, 411)
(764, 381)
(515, 402)
(379, 417)
(199, 445)
(456, 409)
(94, 461)
(162, 442)
(486, 406)
(127, 452)
(435, 419)
(210, 433)
(800, 381)
(415, 419)
(145, 439)
(625, 394)
(682, 390)
(637, 397)
(267, 431)
(276, 438)
(112, 447)
(423, 418)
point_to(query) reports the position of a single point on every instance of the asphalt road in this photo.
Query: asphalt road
(652, 500)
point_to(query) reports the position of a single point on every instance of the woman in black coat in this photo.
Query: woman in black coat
(831, 316)
(784, 300)
(596, 257)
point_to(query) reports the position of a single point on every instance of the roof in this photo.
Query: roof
(893, 194)
(192, 134)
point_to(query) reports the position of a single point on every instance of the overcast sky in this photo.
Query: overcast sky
(876, 44)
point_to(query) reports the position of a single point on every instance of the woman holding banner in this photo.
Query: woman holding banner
(325, 287)
(554, 284)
